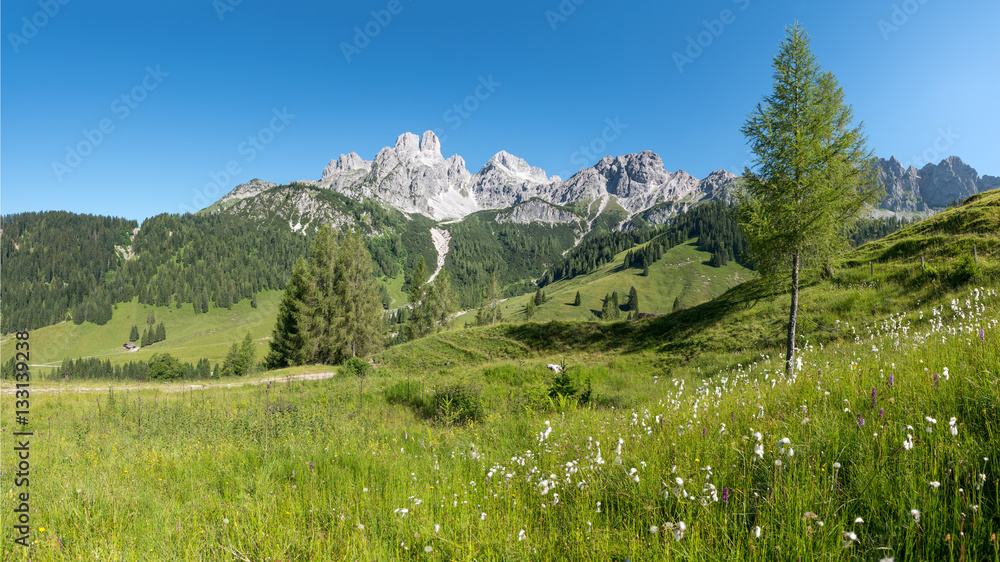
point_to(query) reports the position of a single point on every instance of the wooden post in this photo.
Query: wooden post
(975, 255)
(871, 265)
(922, 268)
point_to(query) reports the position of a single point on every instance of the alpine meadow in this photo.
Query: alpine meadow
(406, 359)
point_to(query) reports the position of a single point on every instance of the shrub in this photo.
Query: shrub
(356, 367)
(965, 269)
(457, 404)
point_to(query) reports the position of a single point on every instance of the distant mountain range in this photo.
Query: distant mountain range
(412, 176)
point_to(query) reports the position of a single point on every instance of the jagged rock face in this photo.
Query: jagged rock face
(300, 207)
(536, 210)
(951, 180)
(251, 188)
(902, 192)
(507, 180)
(638, 182)
(933, 186)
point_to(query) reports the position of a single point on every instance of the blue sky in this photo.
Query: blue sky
(137, 108)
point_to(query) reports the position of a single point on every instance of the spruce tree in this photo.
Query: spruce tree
(633, 300)
(811, 176)
(287, 346)
(359, 329)
(530, 309)
(441, 301)
(253, 301)
(577, 300)
(320, 301)
(419, 322)
(133, 335)
(539, 297)
(489, 311)
(161, 332)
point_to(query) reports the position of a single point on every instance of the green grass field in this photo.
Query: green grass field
(674, 438)
(190, 336)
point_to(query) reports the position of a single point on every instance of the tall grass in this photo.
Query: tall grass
(655, 467)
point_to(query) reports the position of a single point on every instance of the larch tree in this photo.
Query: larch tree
(811, 174)
(321, 310)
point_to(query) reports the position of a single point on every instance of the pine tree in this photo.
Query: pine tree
(359, 329)
(530, 309)
(239, 360)
(606, 309)
(133, 335)
(812, 175)
(633, 300)
(320, 306)
(253, 301)
(615, 306)
(577, 300)
(161, 333)
(441, 301)
(287, 346)
(539, 297)
(146, 340)
(489, 311)
(419, 322)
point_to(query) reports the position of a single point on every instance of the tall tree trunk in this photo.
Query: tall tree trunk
(790, 355)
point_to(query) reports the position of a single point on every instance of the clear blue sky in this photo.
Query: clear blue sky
(198, 80)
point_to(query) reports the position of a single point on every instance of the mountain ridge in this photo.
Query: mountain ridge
(413, 176)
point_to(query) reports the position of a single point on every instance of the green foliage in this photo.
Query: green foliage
(359, 328)
(489, 309)
(633, 300)
(516, 253)
(133, 334)
(356, 367)
(55, 262)
(812, 176)
(287, 346)
(239, 360)
(530, 309)
(576, 300)
(163, 367)
(965, 270)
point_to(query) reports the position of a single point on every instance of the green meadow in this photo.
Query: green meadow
(672, 438)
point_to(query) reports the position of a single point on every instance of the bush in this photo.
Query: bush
(356, 367)
(163, 366)
(457, 404)
(965, 269)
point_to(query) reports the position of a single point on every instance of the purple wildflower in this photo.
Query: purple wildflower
(936, 378)
(982, 335)
(874, 397)
(725, 495)
(293, 473)
(861, 421)
(310, 465)
(881, 412)
(892, 380)
(704, 432)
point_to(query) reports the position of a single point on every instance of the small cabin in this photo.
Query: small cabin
(130, 347)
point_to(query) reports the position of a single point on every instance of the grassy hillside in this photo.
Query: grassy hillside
(681, 274)
(190, 336)
(750, 319)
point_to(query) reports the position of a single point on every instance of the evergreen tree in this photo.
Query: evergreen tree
(133, 335)
(321, 311)
(607, 312)
(615, 306)
(419, 322)
(645, 271)
(812, 175)
(253, 301)
(633, 300)
(441, 301)
(539, 297)
(489, 310)
(530, 309)
(239, 360)
(161, 332)
(359, 329)
(577, 300)
(146, 340)
(287, 346)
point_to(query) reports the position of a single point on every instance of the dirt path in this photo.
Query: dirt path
(173, 388)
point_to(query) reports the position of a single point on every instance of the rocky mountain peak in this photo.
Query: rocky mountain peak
(430, 143)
